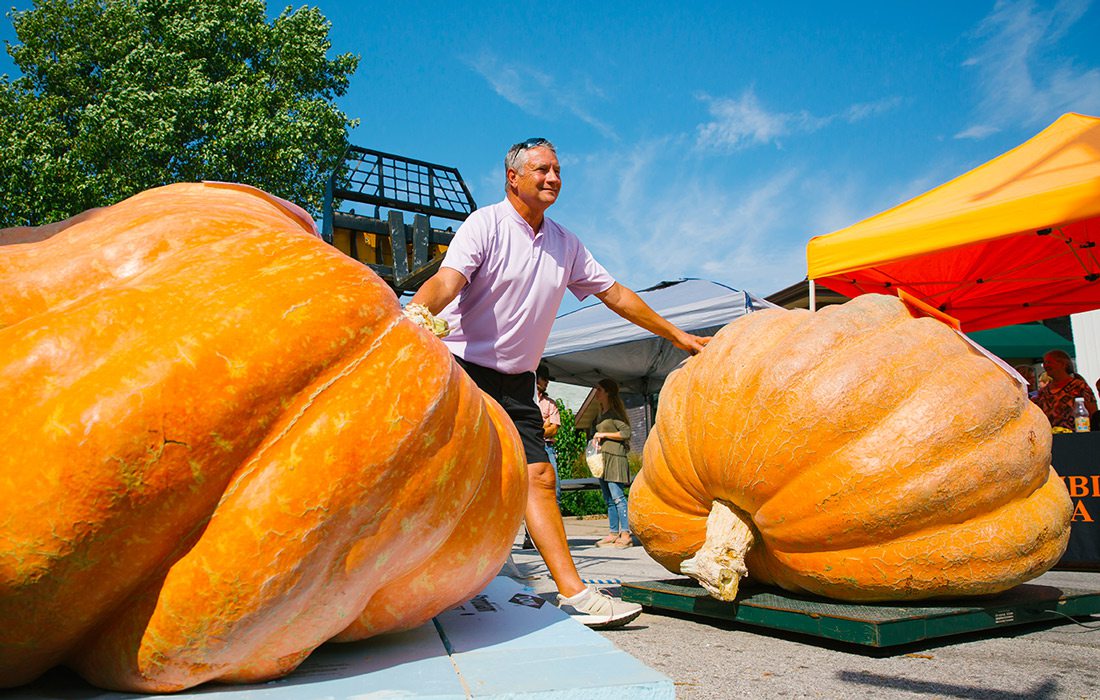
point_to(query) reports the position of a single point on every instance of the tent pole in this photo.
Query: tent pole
(813, 296)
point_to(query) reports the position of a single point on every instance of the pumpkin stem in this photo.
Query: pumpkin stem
(719, 565)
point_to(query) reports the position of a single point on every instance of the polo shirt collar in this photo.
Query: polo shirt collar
(523, 222)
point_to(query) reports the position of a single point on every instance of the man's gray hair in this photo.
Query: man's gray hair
(517, 154)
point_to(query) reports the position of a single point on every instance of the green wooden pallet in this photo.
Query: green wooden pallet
(869, 624)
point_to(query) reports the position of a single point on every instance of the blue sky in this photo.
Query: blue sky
(714, 139)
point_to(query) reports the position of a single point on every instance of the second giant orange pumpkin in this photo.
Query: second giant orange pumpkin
(857, 453)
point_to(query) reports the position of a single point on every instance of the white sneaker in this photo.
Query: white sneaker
(594, 608)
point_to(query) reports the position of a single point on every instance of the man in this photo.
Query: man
(500, 286)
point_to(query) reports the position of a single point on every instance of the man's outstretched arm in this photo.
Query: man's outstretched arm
(630, 306)
(430, 299)
(440, 289)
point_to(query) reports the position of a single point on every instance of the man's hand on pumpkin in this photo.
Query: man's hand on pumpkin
(419, 314)
(692, 344)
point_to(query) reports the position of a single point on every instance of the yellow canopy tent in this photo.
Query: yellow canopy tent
(1012, 241)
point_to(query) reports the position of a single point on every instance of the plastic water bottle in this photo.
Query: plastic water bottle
(1080, 416)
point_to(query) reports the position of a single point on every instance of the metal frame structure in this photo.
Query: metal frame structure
(404, 255)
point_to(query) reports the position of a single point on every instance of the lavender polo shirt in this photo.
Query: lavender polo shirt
(517, 279)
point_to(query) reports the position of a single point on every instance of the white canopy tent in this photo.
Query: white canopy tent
(592, 343)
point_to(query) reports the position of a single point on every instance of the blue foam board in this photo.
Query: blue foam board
(506, 643)
(410, 664)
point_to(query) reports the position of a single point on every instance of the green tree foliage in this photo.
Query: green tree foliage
(569, 445)
(117, 96)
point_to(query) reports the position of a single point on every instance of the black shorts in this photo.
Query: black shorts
(516, 394)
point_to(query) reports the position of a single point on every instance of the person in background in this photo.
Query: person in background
(1028, 373)
(1044, 379)
(499, 287)
(613, 436)
(551, 421)
(1094, 418)
(1056, 398)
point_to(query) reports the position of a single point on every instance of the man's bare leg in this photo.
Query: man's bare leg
(547, 529)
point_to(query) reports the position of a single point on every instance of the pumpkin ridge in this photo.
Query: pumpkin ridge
(253, 627)
(928, 479)
(726, 342)
(154, 270)
(361, 628)
(848, 346)
(977, 569)
(111, 528)
(348, 367)
(146, 242)
(386, 609)
(686, 490)
(287, 209)
(745, 491)
(240, 477)
(27, 235)
(466, 395)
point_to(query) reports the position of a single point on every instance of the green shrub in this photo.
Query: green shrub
(583, 503)
(569, 443)
(569, 446)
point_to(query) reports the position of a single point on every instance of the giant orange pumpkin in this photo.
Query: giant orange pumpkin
(223, 445)
(856, 453)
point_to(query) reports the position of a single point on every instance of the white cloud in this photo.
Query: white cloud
(977, 131)
(742, 122)
(650, 213)
(1021, 77)
(538, 93)
(866, 110)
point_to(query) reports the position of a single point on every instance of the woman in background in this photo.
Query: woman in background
(613, 436)
(1056, 398)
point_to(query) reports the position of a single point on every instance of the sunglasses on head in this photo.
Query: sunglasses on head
(531, 143)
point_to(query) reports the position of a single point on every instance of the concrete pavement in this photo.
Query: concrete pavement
(711, 659)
